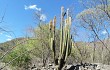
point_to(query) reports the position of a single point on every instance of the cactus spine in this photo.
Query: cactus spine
(65, 39)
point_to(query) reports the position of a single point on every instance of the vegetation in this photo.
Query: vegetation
(65, 40)
(55, 45)
(22, 61)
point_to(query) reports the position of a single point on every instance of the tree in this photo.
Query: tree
(95, 19)
(41, 34)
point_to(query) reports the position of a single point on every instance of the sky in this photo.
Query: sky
(20, 14)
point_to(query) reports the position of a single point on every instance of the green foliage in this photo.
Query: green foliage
(21, 61)
(41, 35)
(81, 52)
(42, 44)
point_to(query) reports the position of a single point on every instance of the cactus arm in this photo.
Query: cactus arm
(50, 35)
(54, 51)
(70, 47)
(61, 27)
(65, 36)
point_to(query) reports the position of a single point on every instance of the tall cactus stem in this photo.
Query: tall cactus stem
(61, 27)
(65, 39)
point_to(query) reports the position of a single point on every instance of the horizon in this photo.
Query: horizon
(19, 15)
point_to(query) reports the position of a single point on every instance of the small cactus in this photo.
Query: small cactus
(65, 39)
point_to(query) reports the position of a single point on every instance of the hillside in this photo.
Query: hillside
(83, 49)
(8, 44)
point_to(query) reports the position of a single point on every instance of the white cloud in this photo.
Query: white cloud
(43, 17)
(34, 7)
(104, 32)
(9, 37)
(1, 33)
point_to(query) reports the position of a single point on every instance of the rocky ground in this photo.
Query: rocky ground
(85, 66)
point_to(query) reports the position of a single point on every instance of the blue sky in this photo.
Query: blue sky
(20, 14)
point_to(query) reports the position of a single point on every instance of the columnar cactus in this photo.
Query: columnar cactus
(65, 39)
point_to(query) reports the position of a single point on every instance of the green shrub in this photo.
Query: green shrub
(22, 61)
